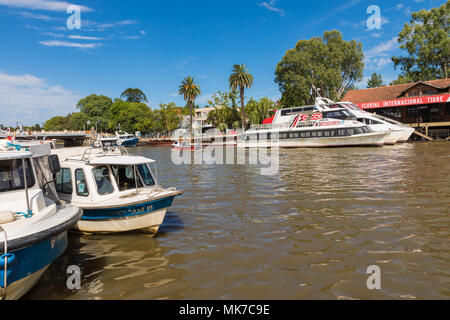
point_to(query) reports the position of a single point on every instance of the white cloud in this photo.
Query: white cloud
(58, 43)
(378, 57)
(383, 48)
(48, 5)
(271, 6)
(32, 100)
(399, 6)
(85, 38)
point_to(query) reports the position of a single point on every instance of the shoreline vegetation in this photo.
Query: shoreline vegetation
(334, 66)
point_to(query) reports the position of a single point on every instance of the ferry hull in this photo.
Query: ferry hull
(376, 139)
(147, 215)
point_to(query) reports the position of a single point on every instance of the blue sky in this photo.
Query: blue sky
(45, 68)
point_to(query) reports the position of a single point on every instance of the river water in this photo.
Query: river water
(308, 232)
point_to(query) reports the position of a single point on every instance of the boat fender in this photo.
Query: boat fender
(10, 260)
(119, 142)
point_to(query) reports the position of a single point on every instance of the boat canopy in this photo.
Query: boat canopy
(120, 160)
(11, 155)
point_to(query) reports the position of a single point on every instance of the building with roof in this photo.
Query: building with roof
(424, 105)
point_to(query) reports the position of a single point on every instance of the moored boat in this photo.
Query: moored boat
(118, 192)
(308, 128)
(126, 139)
(33, 224)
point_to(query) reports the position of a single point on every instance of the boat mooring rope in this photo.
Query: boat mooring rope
(27, 215)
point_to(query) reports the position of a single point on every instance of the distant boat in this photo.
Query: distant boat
(126, 139)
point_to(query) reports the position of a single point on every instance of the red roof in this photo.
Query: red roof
(388, 92)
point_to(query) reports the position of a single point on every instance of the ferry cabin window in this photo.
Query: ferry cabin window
(80, 182)
(146, 175)
(64, 181)
(103, 180)
(125, 177)
(11, 175)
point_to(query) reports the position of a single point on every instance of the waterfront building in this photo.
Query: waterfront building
(424, 105)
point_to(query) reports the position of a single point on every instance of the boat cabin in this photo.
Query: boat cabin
(96, 178)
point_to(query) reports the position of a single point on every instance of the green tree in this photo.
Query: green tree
(401, 80)
(225, 109)
(258, 111)
(375, 81)
(130, 116)
(241, 79)
(95, 106)
(58, 123)
(329, 63)
(167, 118)
(190, 91)
(78, 121)
(134, 95)
(427, 44)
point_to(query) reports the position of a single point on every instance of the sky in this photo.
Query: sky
(47, 63)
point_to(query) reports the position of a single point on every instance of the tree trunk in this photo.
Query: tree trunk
(243, 116)
(191, 118)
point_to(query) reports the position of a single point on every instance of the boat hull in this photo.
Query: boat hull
(130, 142)
(29, 265)
(376, 139)
(147, 215)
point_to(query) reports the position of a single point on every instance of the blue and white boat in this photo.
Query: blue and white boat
(126, 139)
(118, 192)
(33, 224)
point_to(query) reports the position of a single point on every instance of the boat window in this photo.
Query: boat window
(341, 132)
(125, 178)
(308, 134)
(11, 175)
(314, 134)
(146, 175)
(332, 133)
(103, 180)
(80, 182)
(366, 129)
(64, 181)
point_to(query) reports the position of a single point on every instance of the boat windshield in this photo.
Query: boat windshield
(103, 180)
(125, 177)
(146, 175)
(11, 175)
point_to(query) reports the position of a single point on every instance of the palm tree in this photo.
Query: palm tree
(190, 91)
(242, 79)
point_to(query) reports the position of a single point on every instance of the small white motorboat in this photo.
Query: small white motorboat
(33, 225)
(118, 192)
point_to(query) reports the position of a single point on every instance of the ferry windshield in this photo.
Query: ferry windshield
(11, 175)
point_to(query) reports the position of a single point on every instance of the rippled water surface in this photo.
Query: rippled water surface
(308, 232)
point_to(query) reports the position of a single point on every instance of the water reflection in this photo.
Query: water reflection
(309, 232)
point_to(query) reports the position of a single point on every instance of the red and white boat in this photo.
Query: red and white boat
(306, 127)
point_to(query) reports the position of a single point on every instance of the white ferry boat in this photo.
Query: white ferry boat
(349, 111)
(118, 192)
(305, 127)
(33, 223)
